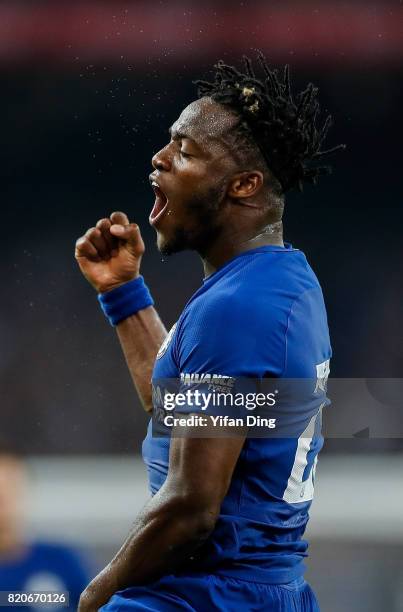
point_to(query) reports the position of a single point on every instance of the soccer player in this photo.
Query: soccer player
(223, 528)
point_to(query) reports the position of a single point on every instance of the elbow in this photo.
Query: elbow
(197, 527)
(197, 516)
(204, 522)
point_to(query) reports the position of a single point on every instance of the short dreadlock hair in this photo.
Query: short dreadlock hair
(284, 130)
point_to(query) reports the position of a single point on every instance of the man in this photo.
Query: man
(223, 528)
(32, 566)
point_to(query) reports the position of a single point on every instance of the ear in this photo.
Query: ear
(245, 184)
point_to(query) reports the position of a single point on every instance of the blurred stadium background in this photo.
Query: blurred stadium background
(88, 92)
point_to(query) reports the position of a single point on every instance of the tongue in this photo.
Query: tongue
(160, 201)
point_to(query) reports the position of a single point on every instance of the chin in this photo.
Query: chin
(168, 245)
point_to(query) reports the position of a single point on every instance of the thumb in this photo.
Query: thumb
(131, 235)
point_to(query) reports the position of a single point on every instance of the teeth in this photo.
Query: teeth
(158, 191)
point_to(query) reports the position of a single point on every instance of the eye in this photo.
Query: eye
(184, 154)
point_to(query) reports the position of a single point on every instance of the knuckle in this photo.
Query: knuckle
(80, 242)
(119, 217)
(91, 233)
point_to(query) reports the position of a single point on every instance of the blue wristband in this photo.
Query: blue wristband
(126, 300)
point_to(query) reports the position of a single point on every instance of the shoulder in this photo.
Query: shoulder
(229, 333)
(240, 323)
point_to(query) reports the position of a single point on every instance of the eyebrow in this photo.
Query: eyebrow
(178, 135)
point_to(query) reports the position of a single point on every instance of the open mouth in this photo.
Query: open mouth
(160, 204)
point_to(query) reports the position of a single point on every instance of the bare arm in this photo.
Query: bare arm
(177, 520)
(109, 255)
(141, 335)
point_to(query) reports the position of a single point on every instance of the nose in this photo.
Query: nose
(161, 160)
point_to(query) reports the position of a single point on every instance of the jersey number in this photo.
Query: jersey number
(299, 490)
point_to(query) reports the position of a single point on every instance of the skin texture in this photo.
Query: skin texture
(220, 203)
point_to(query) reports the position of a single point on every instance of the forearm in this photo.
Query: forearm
(109, 257)
(141, 335)
(163, 536)
(176, 521)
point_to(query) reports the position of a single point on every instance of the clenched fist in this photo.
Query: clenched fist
(109, 254)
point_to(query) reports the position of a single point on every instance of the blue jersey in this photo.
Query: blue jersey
(260, 315)
(45, 567)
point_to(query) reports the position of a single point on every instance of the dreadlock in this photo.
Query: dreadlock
(284, 130)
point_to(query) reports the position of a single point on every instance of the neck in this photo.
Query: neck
(234, 243)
